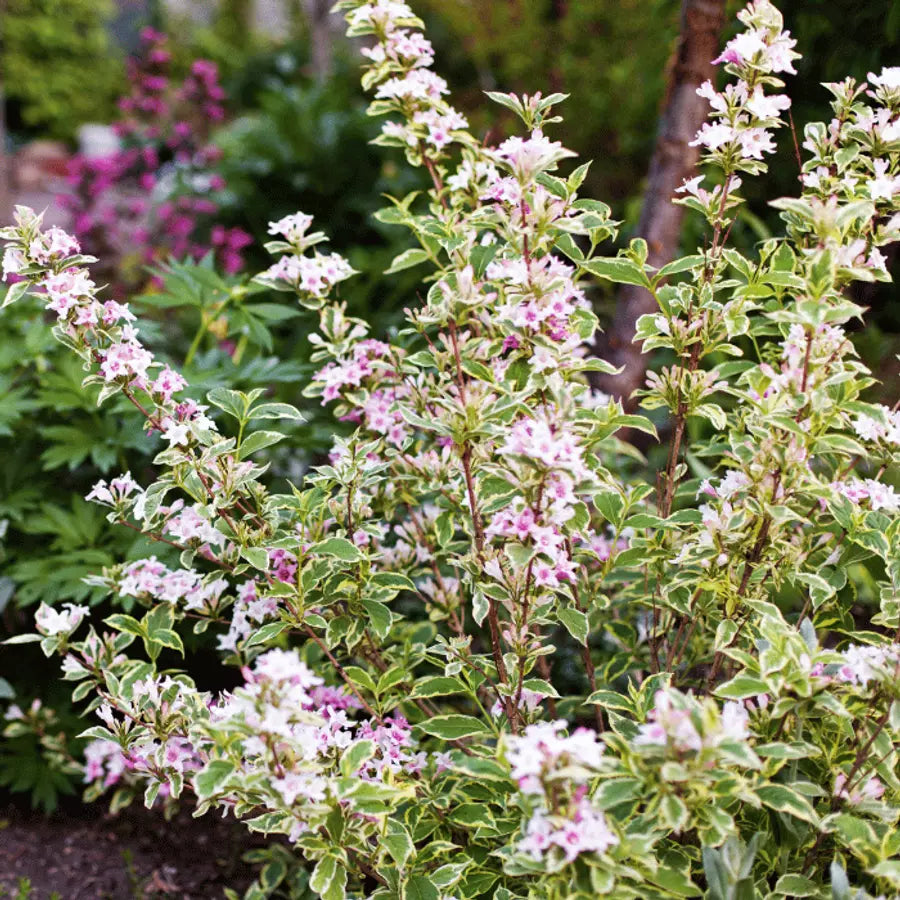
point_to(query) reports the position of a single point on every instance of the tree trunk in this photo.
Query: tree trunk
(673, 161)
(321, 36)
(6, 204)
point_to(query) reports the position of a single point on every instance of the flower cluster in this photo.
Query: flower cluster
(350, 372)
(743, 113)
(538, 298)
(104, 760)
(886, 428)
(250, 610)
(401, 62)
(314, 275)
(293, 730)
(556, 767)
(871, 789)
(101, 331)
(876, 493)
(149, 579)
(115, 492)
(681, 726)
(870, 663)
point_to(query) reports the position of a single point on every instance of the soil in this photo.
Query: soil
(86, 854)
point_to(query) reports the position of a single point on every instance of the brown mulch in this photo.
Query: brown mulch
(86, 854)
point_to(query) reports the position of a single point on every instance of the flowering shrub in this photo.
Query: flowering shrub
(56, 447)
(481, 652)
(158, 193)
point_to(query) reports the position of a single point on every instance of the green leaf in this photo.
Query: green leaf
(420, 888)
(599, 365)
(380, 617)
(888, 869)
(232, 402)
(208, 782)
(15, 292)
(472, 814)
(638, 423)
(273, 874)
(398, 843)
(393, 580)
(453, 727)
(617, 269)
(796, 886)
(742, 686)
(438, 686)
(258, 441)
(407, 259)
(480, 606)
(795, 750)
(510, 101)
(673, 812)
(328, 878)
(618, 790)
(355, 755)
(450, 873)
(539, 686)
(277, 411)
(612, 700)
(677, 881)
(360, 677)
(265, 633)
(258, 557)
(161, 616)
(125, 623)
(167, 638)
(576, 623)
(681, 265)
(338, 547)
(23, 639)
(787, 800)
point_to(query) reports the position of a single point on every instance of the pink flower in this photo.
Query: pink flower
(52, 622)
(125, 359)
(870, 789)
(526, 157)
(713, 135)
(167, 383)
(13, 262)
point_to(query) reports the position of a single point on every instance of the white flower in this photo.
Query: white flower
(51, 621)
(889, 78)
(767, 107)
(755, 142)
(13, 262)
(292, 227)
(176, 433)
(883, 186)
(713, 135)
(526, 157)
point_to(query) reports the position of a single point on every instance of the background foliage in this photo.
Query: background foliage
(84, 79)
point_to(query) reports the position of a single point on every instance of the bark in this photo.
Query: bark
(673, 161)
(5, 167)
(321, 36)
(5, 161)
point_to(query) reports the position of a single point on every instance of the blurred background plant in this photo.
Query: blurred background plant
(53, 100)
(236, 113)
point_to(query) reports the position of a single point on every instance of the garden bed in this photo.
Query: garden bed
(87, 854)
